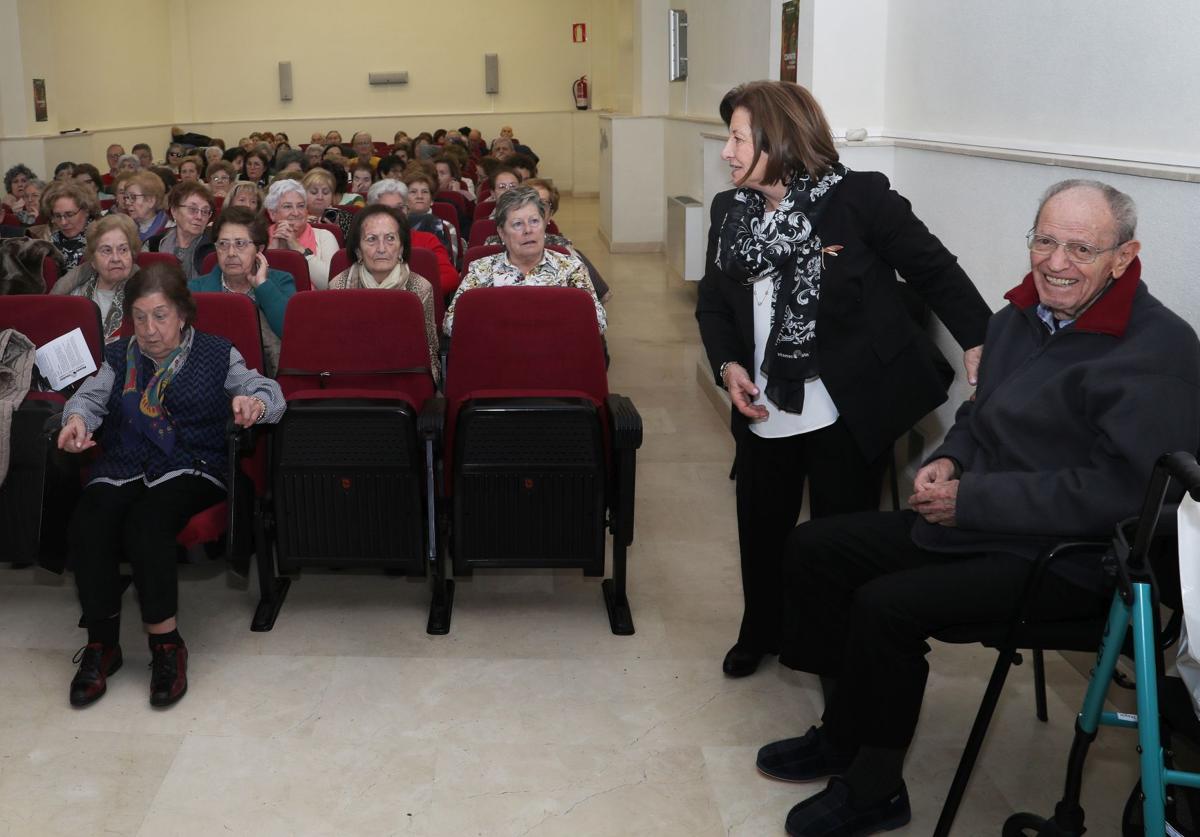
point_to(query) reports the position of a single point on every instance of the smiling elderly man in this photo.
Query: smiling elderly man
(1086, 379)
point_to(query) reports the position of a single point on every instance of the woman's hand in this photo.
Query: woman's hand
(285, 237)
(971, 359)
(742, 392)
(74, 436)
(247, 410)
(258, 270)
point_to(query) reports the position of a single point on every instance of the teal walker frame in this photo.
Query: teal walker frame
(1134, 610)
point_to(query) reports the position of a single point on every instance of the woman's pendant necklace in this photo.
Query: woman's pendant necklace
(768, 287)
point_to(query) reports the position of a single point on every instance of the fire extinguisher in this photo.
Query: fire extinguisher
(583, 95)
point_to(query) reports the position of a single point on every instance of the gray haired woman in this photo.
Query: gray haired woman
(521, 222)
(287, 205)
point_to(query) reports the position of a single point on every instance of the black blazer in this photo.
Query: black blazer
(881, 368)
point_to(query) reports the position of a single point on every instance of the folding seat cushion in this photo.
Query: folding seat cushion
(334, 229)
(481, 230)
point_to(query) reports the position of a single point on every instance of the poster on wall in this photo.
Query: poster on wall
(39, 100)
(787, 49)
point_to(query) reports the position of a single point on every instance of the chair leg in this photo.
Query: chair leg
(272, 589)
(620, 617)
(1039, 685)
(966, 764)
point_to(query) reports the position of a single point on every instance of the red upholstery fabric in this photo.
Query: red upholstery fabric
(293, 263)
(552, 228)
(332, 228)
(480, 230)
(218, 203)
(484, 210)
(483, 192)
(10, 220)
(209, 262)
(42, 317)
(454, 199)
(145, 258)
(447, 272)
(205, 527)
(339, 262)
(49, 273)
(355, 331)
(527, 341)
(446, 212)
(107, 203)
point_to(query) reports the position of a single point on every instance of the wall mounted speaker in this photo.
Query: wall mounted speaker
(491, 73)
(285, 81)
(399, 77)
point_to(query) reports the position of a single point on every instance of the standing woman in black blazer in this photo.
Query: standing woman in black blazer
(805, 325)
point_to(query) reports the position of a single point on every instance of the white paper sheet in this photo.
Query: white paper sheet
(66, 359)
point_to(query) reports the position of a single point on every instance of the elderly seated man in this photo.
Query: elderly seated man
(364, 150)
(1086, 379)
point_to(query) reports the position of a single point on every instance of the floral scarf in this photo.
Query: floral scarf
(144, 412)
(785, 248)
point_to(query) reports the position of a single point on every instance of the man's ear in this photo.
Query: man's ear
(1126, 253)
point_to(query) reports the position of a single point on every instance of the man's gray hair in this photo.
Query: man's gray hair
(280, 188)
(511, 200)
(387, 186)
(137, 164)
(1122, 207)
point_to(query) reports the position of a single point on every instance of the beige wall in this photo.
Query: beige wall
(136, 67)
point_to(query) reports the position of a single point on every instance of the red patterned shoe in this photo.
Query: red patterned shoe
(168, 674)
(96, 663)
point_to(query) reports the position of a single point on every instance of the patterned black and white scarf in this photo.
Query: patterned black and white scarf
(784, 248)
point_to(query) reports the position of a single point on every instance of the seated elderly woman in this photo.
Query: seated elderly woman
(1050, 447)
(159, 404)
(192, 207)
(219, 175)
(143, 154)
(89, 177)
(145, 202)
(247, 194)
(69, 208)
(314, 153)
(108, 262)
(31, 210)
(175, 156)
(257, 167)
(450, 179)
(361, 178)
(16, 179)
(521, 220)
(191, 169)
(421, 188)
(394, 193)
(240, 237)
(379, 243)
(65, 171)
(321, 186)
(548, 192)
(287, 205)
(131, 163)
(212, 154)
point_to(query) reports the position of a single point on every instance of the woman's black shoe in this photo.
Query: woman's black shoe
(741, 661)
(96, 662)
(168, 673)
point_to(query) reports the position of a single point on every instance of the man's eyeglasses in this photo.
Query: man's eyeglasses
(1077, 252)
(223, 245)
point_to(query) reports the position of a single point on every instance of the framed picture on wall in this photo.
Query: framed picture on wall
(787, 49)
(39, 100)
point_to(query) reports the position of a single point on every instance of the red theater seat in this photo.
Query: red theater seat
(351, 475)
(538, 455)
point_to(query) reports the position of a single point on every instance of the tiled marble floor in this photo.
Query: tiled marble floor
(530, 718)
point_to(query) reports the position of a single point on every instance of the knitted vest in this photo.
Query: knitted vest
(196, 402)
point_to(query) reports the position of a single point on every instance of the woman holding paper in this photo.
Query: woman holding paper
(160, 404)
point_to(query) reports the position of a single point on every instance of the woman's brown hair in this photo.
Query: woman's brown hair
(161, 277)
(787, 125)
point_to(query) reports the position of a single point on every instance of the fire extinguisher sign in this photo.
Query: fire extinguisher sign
(579, 33)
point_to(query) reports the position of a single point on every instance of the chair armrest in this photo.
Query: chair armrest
(626, 422)
(53, 427)
(432, 419)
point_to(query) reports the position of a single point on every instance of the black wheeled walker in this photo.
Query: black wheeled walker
(1135, 612)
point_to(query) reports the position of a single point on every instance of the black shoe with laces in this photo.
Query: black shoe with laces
(168, 673)
(96, 662)
(811, 756)
(833, 813)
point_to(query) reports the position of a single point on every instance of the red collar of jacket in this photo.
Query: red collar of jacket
(1108, 315)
